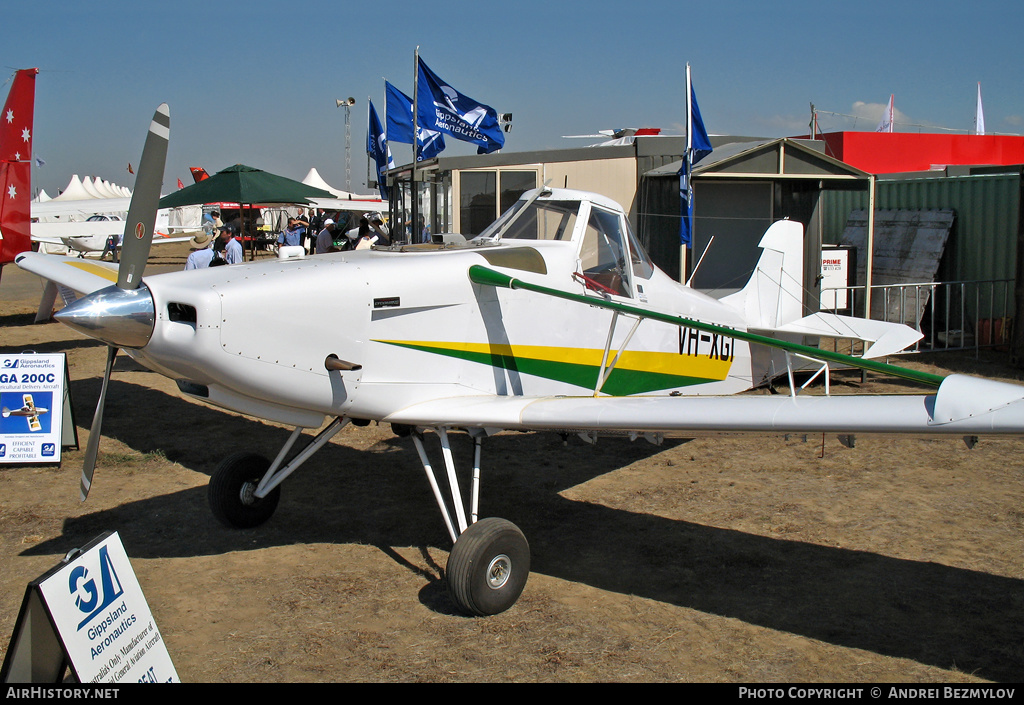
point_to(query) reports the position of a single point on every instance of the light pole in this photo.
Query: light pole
(347, 104)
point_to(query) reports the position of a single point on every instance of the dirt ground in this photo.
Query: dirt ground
(736, 559)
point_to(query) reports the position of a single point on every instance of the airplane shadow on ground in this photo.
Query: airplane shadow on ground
(931, 613)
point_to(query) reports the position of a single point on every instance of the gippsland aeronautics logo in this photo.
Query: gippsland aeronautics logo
(92, 598)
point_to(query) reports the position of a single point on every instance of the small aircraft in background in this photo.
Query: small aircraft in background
(97, 233)
(553, 319)
(84, 225)
(618, 136)
(30, 411)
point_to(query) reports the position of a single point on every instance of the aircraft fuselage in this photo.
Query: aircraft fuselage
(255, 338)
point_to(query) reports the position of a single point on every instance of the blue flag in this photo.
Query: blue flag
(377, 148)
(444, 109)
(399, 122)
(698, 146)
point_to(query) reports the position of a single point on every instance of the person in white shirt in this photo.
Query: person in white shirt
(325, 240)
(227, 245)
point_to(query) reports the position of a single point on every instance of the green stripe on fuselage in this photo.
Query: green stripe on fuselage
(621, 382)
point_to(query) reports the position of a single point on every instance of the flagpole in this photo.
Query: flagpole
(369, 102)
(686, 156)
(415, 140)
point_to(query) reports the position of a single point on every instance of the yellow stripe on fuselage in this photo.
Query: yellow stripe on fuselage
(670, 363)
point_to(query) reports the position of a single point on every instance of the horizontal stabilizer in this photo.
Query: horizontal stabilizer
(885, 338)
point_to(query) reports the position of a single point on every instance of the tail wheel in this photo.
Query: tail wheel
(488, 567)
(232, 488)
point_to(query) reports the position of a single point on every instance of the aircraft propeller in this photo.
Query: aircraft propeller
(136, 243)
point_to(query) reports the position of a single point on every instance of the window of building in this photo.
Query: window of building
(487, 193)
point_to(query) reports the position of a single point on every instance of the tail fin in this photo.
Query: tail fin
(16, 165)
(772, 305)
(773, 296)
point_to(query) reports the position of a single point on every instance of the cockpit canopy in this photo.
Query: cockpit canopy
(609, 257)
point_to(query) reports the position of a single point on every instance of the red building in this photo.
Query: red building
(895, 152)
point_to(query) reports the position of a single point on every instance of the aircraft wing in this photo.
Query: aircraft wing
(345, 204)
(162, 239)
(56, 232)
(75, 273)
(962, 406)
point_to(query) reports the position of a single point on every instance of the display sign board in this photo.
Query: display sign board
(35, 408)
(838, 265)
(89, 614)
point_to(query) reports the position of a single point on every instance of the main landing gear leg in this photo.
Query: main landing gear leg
(490, 561)
(245, 488)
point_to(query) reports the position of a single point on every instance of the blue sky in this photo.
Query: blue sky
(256, 82)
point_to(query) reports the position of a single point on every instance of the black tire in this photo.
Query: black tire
(488, 567)
(231, 487)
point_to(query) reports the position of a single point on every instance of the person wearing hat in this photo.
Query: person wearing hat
(201, 253)
(325, 240)
(227, 245)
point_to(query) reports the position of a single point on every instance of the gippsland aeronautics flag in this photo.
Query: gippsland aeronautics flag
(399, 124)
(443, 108)
(698, 146)
(377, 148)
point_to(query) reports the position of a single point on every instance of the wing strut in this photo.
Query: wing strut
(607, 369)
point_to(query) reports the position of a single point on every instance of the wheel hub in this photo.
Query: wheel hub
(499, 570)
(248, 493)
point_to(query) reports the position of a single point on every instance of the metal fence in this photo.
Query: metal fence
(961, 315)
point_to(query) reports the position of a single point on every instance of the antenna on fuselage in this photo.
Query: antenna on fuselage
(697, 266)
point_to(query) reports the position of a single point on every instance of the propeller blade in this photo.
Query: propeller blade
(138, 230)
(93, 446)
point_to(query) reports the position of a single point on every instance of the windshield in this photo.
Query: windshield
(540, 220)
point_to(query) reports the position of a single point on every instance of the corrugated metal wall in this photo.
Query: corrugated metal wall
(983, 243)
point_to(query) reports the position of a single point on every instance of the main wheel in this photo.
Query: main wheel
(488, 567)
(232, 487)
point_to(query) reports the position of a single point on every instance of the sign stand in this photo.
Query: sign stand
(69, 429)
(37, 420)
(88, 614)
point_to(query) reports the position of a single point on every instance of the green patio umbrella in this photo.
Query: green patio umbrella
(245, 185)
(248, 187)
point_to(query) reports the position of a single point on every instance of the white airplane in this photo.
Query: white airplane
(90, 235)
(552, 319)
(85, 218)
(29, 411)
